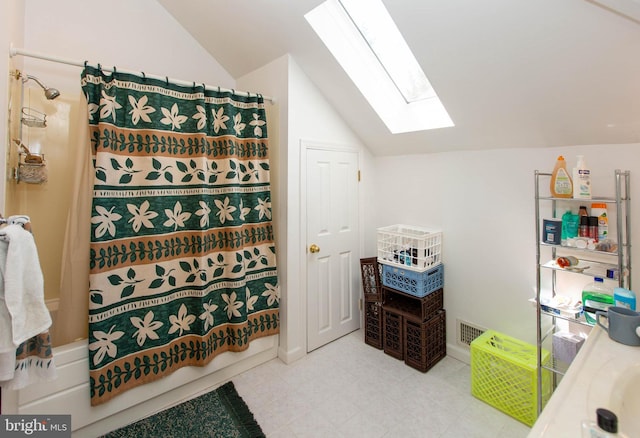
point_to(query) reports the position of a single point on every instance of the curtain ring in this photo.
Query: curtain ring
(85, 64)
(99, 67)
(114, 69)
(194, 85)
(144, 77)
(167, 79)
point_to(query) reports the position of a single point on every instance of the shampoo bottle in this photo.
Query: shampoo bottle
(561, 185)
(581, 180)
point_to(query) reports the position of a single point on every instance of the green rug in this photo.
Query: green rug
(220, 413)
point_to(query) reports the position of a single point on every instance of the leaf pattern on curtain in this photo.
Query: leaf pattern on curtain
(182, 253)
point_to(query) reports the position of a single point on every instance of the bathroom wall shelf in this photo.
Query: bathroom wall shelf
(551, 278)
(581, 320)
(591, 268)
(608, 200)
(580, 250)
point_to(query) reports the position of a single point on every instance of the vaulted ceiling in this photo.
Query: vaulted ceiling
(511, 73)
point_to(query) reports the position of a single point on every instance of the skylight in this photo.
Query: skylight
(363, 38)
(385, 41)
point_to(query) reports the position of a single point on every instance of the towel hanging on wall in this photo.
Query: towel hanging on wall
(25, 344)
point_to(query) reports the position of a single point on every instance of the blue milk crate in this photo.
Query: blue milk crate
(418, 284)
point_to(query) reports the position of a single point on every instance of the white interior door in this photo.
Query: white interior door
(332, 246)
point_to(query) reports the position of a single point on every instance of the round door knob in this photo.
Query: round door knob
(314, 248)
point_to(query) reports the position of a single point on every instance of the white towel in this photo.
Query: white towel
(7, 366)
(6, 333)
(32, 363)
(24, 286)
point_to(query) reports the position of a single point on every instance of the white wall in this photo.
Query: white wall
(303, 114)
(310, 118)
(272, 80)
(484, 204)
(139, 36)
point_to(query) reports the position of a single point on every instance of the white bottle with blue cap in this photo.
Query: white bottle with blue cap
(581, 180)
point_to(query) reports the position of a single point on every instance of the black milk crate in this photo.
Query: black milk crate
(420, 308)
(373, 323)
(425, 342)
(418, 284)
(371, 271)
(393, 333)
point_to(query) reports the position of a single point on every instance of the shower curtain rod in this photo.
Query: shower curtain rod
(13, 51)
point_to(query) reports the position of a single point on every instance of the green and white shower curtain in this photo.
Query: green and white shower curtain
(182, 251)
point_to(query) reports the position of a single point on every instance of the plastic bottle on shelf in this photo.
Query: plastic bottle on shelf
(570, 226)
(596, 296)
(584, 226)
(407, 257)
(581, 180)
(561, 185)
(593, 228)
(583, 211)
(623, 297)
(599, 210)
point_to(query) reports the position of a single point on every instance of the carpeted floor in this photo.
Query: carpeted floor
(219, 414)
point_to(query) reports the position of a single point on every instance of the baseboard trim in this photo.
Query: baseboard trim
(461, 354)
(291, 355)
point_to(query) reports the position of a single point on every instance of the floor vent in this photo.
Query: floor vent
(467, 332)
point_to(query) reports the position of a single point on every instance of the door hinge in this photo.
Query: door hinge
(360, 304)
(358, 175)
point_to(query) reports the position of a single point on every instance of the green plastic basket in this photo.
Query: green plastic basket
(504, 375)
